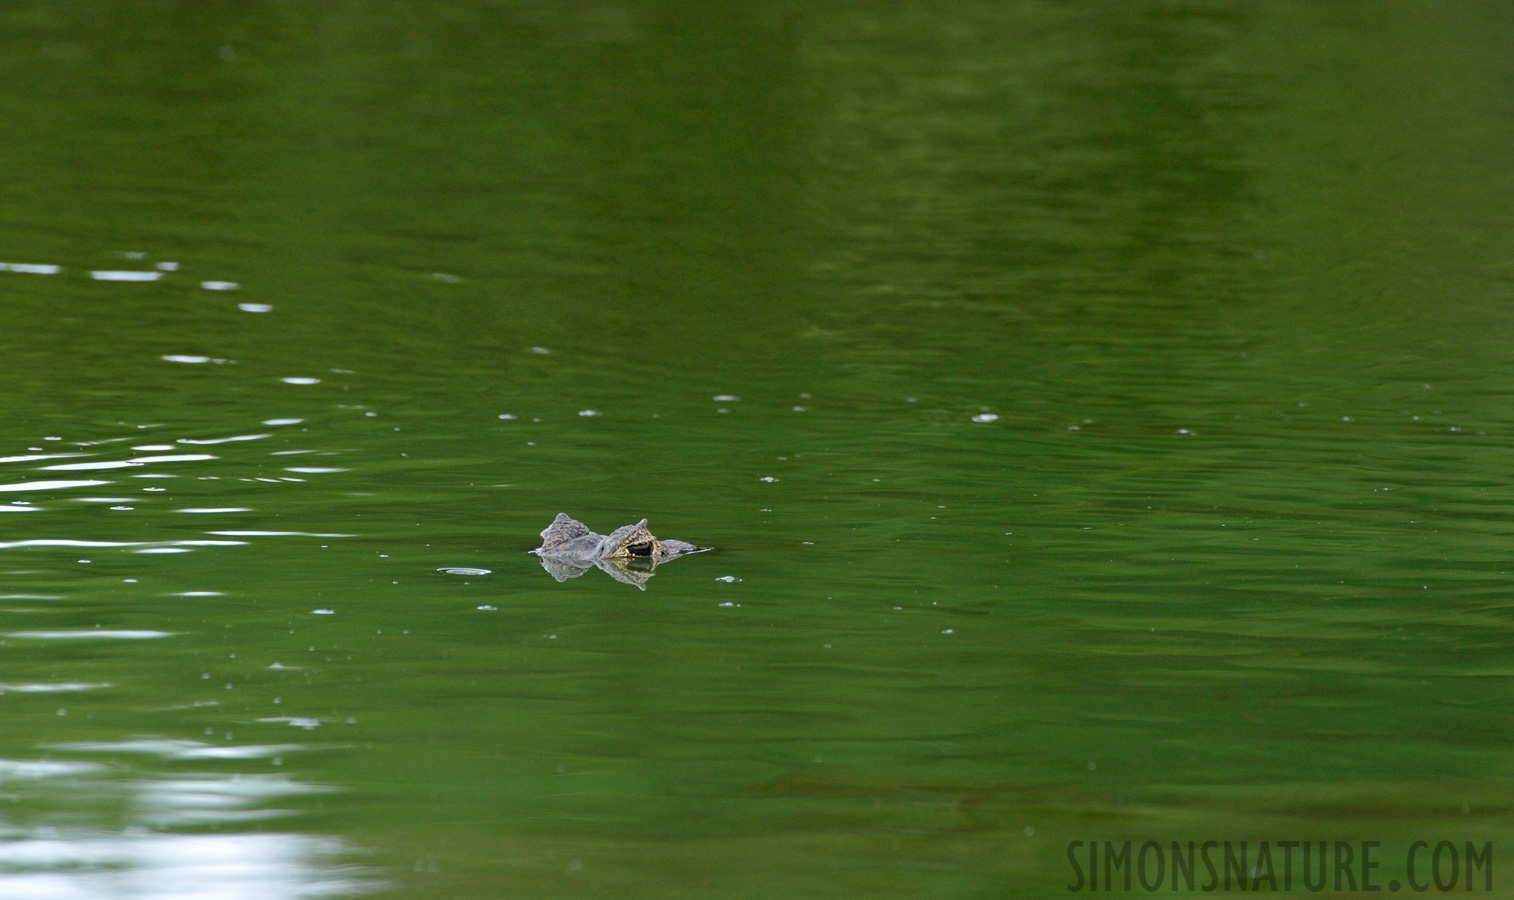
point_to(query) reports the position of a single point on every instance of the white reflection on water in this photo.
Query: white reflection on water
(225, 440)
(69, 861)
(178, 457)
(179, 749)
(118, 275)
(215, 509)
(51, 688)
(92, 634)
(212, 799)
(48, 485)
(177, 867)
(30, 769)
(280, 534)
(36, 456)
(304, 722)
(69, 542)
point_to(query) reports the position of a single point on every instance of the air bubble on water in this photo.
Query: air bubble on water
(219, 285)
(728, 579)
(323, 612)
(486, 607)
(586, 413)
(463, 570)
(726, 398)
(167, 267)
(255, 307)
(985, 417)
(768, 478)
(507, 416)
(298, 379)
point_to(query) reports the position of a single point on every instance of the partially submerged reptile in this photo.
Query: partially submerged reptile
(568, 549)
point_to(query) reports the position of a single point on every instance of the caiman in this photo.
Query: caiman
(568, 549)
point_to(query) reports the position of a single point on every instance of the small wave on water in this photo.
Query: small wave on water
(106, 548)
(31, 268)
(154, 859)
(168, 748)
(120, 275)
(95, 634)
(61, 687)
(231, 464)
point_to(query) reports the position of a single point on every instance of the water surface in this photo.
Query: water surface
(1099, 412)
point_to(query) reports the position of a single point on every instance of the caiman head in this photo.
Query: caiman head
(629, 540)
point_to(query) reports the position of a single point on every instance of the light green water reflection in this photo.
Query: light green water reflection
(1225, 557)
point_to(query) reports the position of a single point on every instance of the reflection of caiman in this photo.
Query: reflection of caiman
(568, 549)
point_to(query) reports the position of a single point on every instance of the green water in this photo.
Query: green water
(1232, 562)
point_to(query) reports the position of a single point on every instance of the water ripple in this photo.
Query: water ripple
(169, 748)
(48, 485)
(52, 688)
(93, 634)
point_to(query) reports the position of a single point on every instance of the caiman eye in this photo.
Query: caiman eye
(642, 549)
